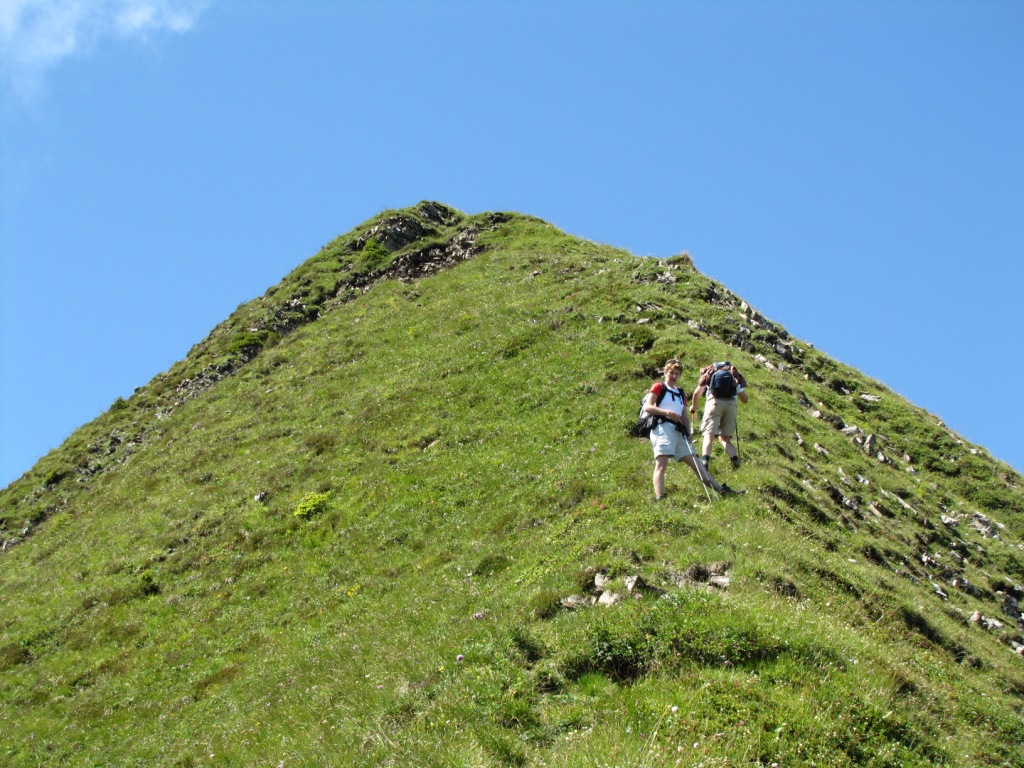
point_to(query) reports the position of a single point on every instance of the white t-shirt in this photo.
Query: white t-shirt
(674, 400)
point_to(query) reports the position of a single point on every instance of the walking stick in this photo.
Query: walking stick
(737, 439)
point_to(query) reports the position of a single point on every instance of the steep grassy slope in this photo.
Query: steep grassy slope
(342, 532)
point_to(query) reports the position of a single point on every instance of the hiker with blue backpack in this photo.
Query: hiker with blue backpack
(663, 413)
(723, 385)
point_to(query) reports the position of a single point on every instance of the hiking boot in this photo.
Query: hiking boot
(735, 462)
(725, 490)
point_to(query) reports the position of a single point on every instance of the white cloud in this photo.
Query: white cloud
(37, 35)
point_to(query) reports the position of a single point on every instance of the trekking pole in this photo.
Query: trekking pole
(737, 439)
(704, 476)
(709, 488)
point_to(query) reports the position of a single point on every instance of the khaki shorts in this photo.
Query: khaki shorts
(669, 441)
(719, 417)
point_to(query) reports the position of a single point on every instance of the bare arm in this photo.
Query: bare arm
(698, 393)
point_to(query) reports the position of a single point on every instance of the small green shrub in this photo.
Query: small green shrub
(312, 504)
(247, 343)
(54, 478)
(491, 564)
(373, 257)
(545, 604)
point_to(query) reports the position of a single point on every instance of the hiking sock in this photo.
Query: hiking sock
(705, 460)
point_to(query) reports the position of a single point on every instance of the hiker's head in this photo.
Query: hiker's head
(672, 365)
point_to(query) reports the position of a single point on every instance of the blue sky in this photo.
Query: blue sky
(854, 170)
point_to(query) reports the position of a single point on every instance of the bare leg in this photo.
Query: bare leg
(708, 440)
(660, 462)
(704, 476)
(730, 449)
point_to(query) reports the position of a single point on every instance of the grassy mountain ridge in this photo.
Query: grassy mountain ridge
(341, 531)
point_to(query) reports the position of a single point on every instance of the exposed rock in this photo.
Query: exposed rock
(961, 582)
(700, 574)
(1011, 607)
(984, 526)
(574, 602)
(984, 622)
(395, 232)
(870, 398)
(722, 582)
(636, 586)
(610, 598)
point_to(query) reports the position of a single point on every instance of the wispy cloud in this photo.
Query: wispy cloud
(37, 35)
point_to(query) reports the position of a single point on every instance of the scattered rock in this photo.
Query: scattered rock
(574, 602)
(700, 575)
(961, 583)
(984, 526)
(984, 622)
(869, 398)
(1011, 607)
(610, 598)
(637, 587)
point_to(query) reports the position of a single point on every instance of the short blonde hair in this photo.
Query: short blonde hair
(672, 363)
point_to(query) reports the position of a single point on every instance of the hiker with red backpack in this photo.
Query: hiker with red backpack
(670, 433)
(723, 385)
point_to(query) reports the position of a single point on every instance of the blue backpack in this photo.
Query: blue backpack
(723, 383)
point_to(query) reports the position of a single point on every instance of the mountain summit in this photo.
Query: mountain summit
(392, 513)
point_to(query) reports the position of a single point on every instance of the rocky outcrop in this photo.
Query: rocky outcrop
(602, 589)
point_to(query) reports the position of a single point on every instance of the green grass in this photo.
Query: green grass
(342, 539)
